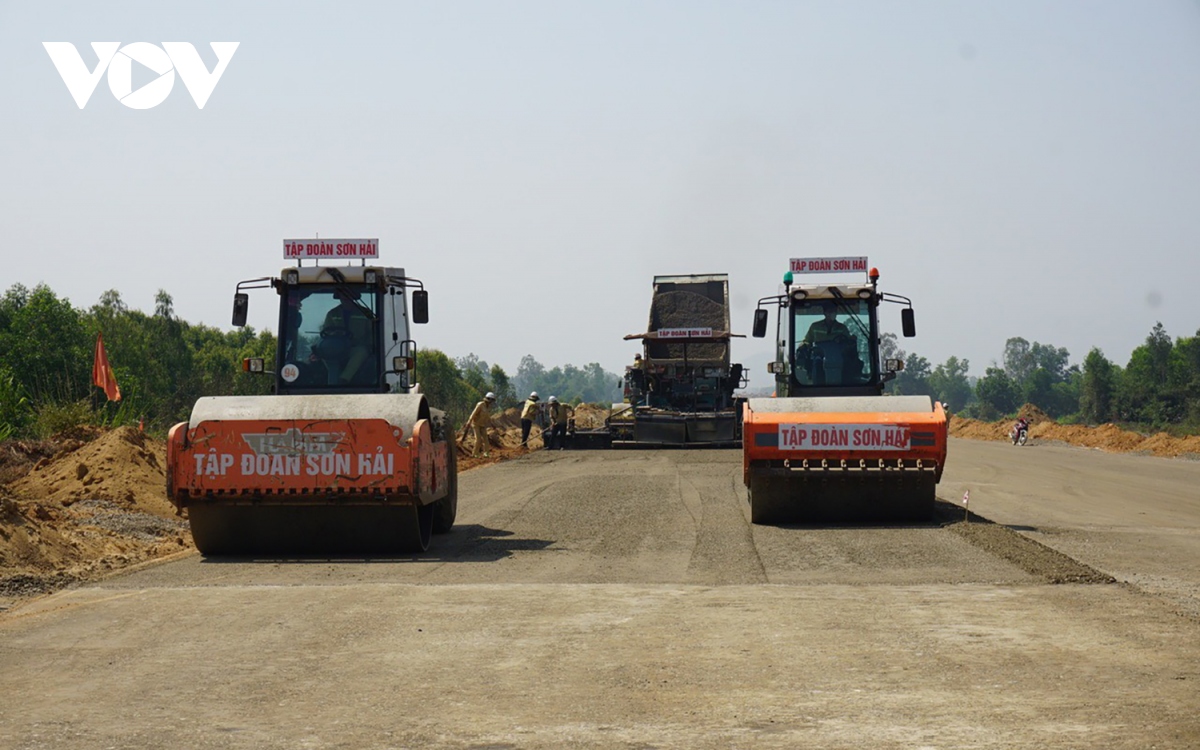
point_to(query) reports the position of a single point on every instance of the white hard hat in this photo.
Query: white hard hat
(553, 400)
(533, 395)
(490, 396)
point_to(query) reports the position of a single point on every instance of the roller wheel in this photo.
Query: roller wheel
(768, 500)
(212, 531)
(922, 501)
(775, 500)
(446, 509)
(321, 529)
(414, 535)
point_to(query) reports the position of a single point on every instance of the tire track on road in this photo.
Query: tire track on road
(724, 552)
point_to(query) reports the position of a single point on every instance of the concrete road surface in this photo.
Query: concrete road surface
(622, 599)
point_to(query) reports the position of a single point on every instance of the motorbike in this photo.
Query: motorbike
(1019, 433)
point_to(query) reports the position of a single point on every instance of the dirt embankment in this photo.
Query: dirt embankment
(1108, 437)
(81, 505)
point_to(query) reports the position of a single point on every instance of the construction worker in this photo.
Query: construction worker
(479, 421)
(529, 412)
(828, 328)
(828, 352)
(636, 379)
(345, 339)
(559, 414)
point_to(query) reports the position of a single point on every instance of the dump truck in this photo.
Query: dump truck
(682, 392)
(347, 456)
(830, 446)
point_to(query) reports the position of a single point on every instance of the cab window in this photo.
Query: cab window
(833, 342)
(330, 338)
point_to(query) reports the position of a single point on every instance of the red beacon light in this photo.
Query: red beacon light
(874, 275)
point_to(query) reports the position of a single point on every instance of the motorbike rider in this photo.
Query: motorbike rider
(1022, 425)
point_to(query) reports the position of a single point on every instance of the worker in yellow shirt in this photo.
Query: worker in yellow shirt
(479, 421)
(560, 413)
(529, 412)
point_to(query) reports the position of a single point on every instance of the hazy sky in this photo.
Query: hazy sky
(1017, 168)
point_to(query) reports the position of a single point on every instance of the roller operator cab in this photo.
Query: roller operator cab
(342, 329)
(829, 445)
(347, 456)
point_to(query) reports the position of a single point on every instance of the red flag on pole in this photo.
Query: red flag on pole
(102, 374)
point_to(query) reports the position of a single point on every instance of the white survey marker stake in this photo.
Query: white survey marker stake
(966, 498)
(164, 61)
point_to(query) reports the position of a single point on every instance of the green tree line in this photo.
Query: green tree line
(163, 365)
(1158, 388)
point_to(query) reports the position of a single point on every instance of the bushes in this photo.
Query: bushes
(15, 411)
(444, 387)
(53, 418)
(162, 364)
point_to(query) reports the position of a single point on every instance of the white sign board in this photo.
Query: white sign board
(833, 437)
(330, 249)
(685, 333)
(829, 265)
